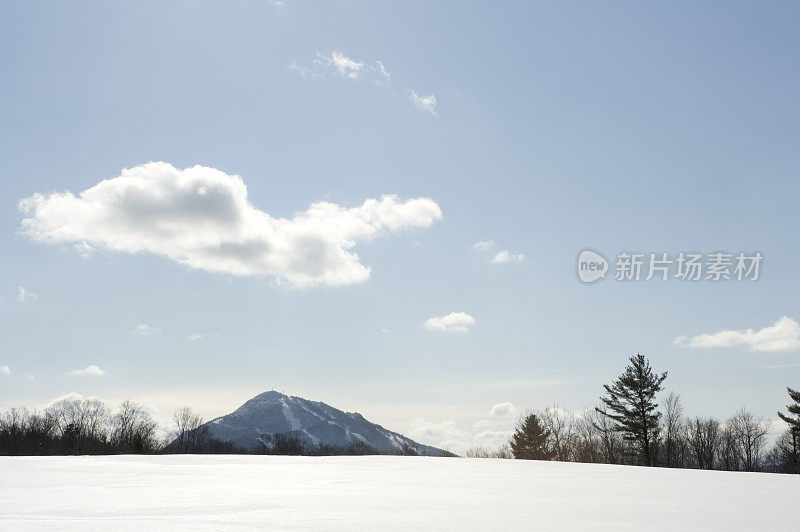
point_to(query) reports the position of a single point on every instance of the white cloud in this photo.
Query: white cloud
(504, 256)
(343, 67)
(194, 337)
(502, 410)
(453, 322)
(783, 335)
(426, 103)
(144, 329)
(5, 370)
(484, 245)
(201, 217)
(385, 330)
(90, 371)
(23, 294)
(436, 431)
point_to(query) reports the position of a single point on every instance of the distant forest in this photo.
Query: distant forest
(80, 426)
(628, 427)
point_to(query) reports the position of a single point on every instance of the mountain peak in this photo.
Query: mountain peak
(255, 424)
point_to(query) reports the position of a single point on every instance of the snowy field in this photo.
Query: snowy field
(381, 492)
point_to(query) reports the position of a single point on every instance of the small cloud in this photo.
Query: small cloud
(453, 322)
(343, 67)
(502, 410)
(385, 331)
(426, 103)
(144, 329)
(484, 245)
(277, 3)
(194, 337)
(5, 370)
(23, 294)
(89, 371)
(504, 256)
(783, 335)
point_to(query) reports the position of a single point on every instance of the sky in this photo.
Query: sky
(381, 206)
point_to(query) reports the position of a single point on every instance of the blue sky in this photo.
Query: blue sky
(556, 127)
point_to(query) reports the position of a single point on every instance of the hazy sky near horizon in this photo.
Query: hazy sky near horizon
(375, 145)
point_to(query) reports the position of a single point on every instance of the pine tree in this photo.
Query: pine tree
(794, 426)
(530, 441)
(630, 403)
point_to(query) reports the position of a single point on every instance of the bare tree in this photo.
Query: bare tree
(134, 430)
(190, 436)
(79, 420)
(728, 455)
(703, 441)
(561, 425)
(611, 444)
(674, 431)
(751, 436)
(587, 441)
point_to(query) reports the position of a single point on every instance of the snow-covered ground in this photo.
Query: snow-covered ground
(381, 492)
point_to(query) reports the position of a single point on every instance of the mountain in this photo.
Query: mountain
(256, 423)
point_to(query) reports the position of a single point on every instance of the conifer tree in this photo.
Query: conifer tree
(794, 426)
(530, 441)
(630, 403)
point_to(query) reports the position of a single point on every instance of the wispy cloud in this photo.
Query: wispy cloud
(341, 66)
(144, 329)
(783, 335)
(338, 65)
(783, 366)
(194, 337)
(453, 322)
(5, 370)
(426, 103)
(23, 294)
(504, 256)
(484, 245)
(89, 371)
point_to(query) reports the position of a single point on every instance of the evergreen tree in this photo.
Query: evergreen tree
(530, 441)
(630, 403)
(794, 426)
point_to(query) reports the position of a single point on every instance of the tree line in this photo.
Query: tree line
(628, 427)
(87, 426)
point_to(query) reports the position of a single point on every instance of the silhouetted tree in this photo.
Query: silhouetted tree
(751, 436)
(630, 402)
(794, 426)
(530, 441)
(134, 430)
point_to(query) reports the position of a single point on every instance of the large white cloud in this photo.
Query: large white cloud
(453, 322)
(201, 217)
(783, 335)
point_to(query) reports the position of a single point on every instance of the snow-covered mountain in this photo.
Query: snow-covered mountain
(256, 422)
